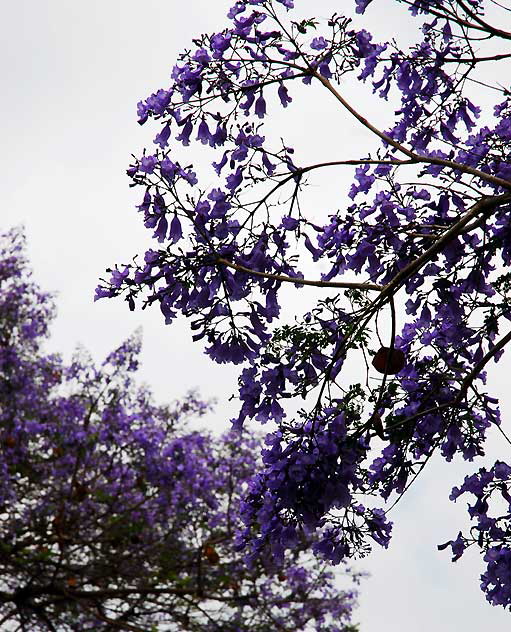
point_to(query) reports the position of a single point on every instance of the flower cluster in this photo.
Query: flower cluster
(416, 252)
(491, 489)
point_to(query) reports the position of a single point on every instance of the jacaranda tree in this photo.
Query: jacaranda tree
(416, 289)
(114, 514)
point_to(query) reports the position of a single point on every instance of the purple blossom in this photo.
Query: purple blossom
(290, 223)
(260, 106)
(176, 232)
(186, 131)
(147, 164)
(362, 5)
(235, 179)
(284, 97)
(168, 169)
(163, 137)
(319, 43)
(203, 133)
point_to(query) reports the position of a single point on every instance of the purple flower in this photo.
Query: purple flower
(284, 97)
(364, 179)
(186, 131)
(260, 106)
(290, 223)
(163, 137)
(235, 179)
(176, 231)
(218, 166)
(219, 43)
(203, 133)
(221, 205)
(361, 5)
(147, 164)
(117, 278)
(201, 56)
(162, 226)
(319, 43)
(168, 169)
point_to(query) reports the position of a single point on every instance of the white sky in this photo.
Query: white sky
(72, 74)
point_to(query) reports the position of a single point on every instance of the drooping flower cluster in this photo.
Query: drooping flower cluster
(426, 225)
(491, 489)
(114, 514)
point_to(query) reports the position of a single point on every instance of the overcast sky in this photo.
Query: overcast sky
(72, 73)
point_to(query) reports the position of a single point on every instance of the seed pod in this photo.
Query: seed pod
(376, 423)
(391, 360)
(210, 554)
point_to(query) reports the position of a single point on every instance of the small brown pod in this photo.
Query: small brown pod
(389, 360)
(210, 554)
(377, 425)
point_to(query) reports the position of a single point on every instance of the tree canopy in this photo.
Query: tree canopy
(412, 265)
(115, 514)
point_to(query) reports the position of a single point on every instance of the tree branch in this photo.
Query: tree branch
(485, 204)
(476, 60)
(484, 25)
(495, 180)
(287, 279)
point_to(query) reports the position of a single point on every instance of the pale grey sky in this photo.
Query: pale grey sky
(72, 74)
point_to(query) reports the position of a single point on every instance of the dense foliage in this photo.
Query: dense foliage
(114, 513)
(416, 288)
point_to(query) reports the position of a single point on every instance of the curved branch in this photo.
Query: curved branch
(486, 204)
(431, 160)
(300, 171)
(476, 60)
(287, 279)
(482, 23)
(449, 16)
